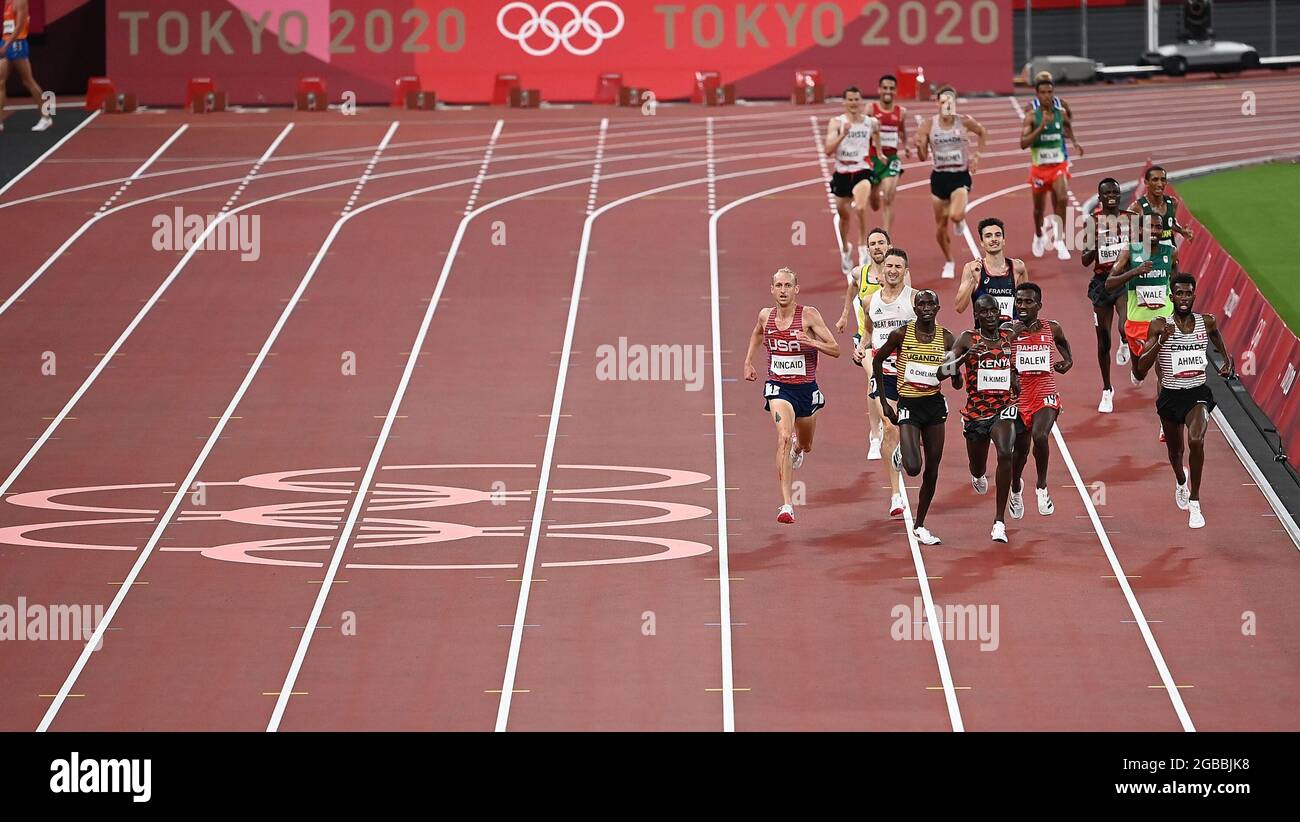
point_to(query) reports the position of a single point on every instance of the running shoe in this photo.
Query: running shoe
(45, 122)
(896, 505)
(980, 484)
(924, 536)
(1062, 253)
(1039, 245)
(846, 263)
(1016, 504)
(1195, 520)
(1183, 495)
(999, 532)
(1045, 506)
(785, 515)
(1122, 355)
(873, 451)
(897, 458)
(949, 270)
(1107, 404)
(1133, 379)
(796, 455)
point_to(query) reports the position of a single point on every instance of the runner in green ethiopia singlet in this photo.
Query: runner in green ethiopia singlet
(1148, 295)
(1049, 147)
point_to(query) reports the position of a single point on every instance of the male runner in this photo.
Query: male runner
(1042, 352)
(793, 335)
(889, 308)
(1180, 345)
(1110, 228)
(993, 274)
(991, 413)
(868, 283)
(921, 346)
(1046, 126)
(850, 139)
(15, 49)
(950, 181)
(886, 162)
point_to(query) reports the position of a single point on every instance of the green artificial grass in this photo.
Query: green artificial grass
(1251, 212)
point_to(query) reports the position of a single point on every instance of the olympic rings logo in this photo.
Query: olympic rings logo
(560, 34)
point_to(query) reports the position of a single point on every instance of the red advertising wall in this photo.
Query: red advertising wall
(1267, 353)
(256, 48)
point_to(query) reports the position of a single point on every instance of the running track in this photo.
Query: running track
(371, 480)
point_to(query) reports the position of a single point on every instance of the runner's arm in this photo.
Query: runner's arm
(948, 342)
(981, 136)
(1068, 128)
(1227, 370)
(755, 340)
(852, 292)
(1089, 257)
(1062, 345)
(817, 334)
(956, 354)
(1187, 233)
(834, 136)
(903, 147)
(923, 142)
(1157, 332)
(892, 343)
(1021, 272)
(969, 278)
(1028, 131)
(1114, 282)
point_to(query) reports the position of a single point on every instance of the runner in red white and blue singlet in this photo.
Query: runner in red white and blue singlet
(787, 361)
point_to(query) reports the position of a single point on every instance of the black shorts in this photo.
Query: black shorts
(1174, 404)
(804, 397)
(888, 382)
(1101, 298)
(922, 411)
(843, 182)
(982, 429)
(944, 183)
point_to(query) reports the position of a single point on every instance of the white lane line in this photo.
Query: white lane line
(370, 167)
(142, 169)
(521, 609)
(182, 490)
(483, 166)
(65, 138)
(596, 167)
(252, 173)
(1015, 104)
(710, 169)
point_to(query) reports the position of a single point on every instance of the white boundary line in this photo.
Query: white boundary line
(65, 138)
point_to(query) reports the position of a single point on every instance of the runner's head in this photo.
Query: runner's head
(893, 266)
(1108, 194)
(988, 315)
(878, 244)
(1044, 89)
(947, 98)
(926, 305)
(1183, 293)
(993, 235)
(785, 286)
(887, 88)
(1029, 300)
(1156, 178)
(853, 100)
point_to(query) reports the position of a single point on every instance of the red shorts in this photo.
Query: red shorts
(1136, 331)
(1031, 402)
(1042, 177)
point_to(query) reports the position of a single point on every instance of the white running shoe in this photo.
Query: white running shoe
(1133, 379)
(949, 270)
(796, 459)
(1062, 253)
(785, 515)
(999, 531)
(864, 256)
(924, 536)
(1016, 504)
(873, 451)
(45, 122)
(897, 458)
(980, 484)
(1045, 506)
(1107, 404)
(1122, 355)
(846, 263)
(1195, 520)
(896, 505)
(1039, 245)
(1182, 495)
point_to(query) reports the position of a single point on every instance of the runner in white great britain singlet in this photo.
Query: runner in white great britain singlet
(949, 146)
(1184, 357)
(852, 153)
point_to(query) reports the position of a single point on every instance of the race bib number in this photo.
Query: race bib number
(1108, 254)
(1034, 360)
(904, 414)
(1152, 296)
(789, 365)
(9, 27)
(1011, 412)
(1051, 401)
(917, 373)
(1006, 305)
(1050, 156)
(818, 399)
(771, 389)
(889, 139)
(1189, 363)
(949, 157)
(993, 379)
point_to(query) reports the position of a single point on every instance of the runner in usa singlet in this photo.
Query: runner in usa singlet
(787, 360)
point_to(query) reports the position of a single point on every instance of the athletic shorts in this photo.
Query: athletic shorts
(887, 382)
(982, 428)
(889, 166)
(18, 50)
(1136, 331)
(1174, 404)
(944, 183)
(922, 411)
(1101, 298)
(804, 397)
(1031, 405)
(843, 182)
(1042, 177)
